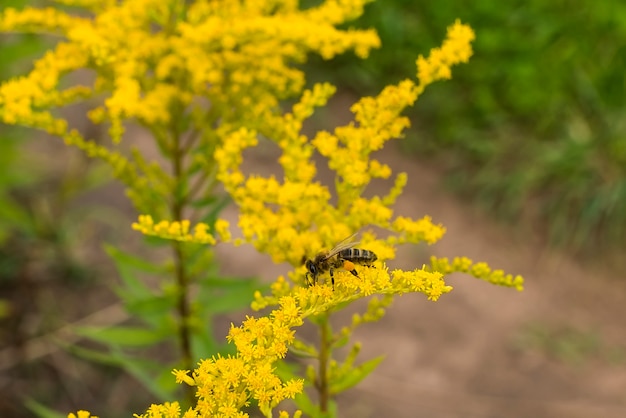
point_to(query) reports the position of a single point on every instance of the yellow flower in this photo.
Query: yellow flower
(222, 230)
(166, 410)
(180, 230)
(81, 414)
(183, 376)
(455, 49)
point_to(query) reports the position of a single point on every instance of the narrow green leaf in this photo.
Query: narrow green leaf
(215, 209)
(341, 341)
(302, 353)
(132, 261)
(354, 376)
(141, 369)
(127, 265)
(286, 370)
(151, 306)
(306, 405)
(157, 241)
(227, 295)
(333, 410)
(144, 372)
(204, 345)
(166, 381)
(41, 410)
(123, 336)
(90, 354)
(204, 201)
(226, 281)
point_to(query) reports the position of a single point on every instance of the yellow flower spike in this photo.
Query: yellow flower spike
(222, 228)
(462, 264)
(415, 231)
(480, 270)
(48, 19)
(180, 231)
(429, 283)
(399, 184)
(456, 49)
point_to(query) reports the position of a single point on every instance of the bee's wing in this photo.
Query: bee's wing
(343, 245)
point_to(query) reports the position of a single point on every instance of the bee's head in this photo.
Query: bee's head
(310, 266)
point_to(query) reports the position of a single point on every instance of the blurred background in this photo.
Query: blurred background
(522, 156)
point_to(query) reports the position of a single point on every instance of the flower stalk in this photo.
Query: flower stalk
(325, 349)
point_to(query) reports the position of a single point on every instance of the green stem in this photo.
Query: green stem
(183, 306)
(182, 278)
(324, 357)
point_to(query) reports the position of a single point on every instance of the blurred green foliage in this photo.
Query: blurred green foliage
(568, 344)
(41, 262)
(35, 231)
(533, 127)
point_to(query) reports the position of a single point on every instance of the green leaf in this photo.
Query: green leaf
(220, 295)
(127, 265)
(306, 405)
(286, 370)
(91, 354)
(310, 353)
(341, 341)
(143, 371)
(151, 306)
(123, 336)
(333, 410)
(215, 209)
(166, 381)
(204, 344)
(204, 201)
(354, 376)
(41, 410)
(140, 368)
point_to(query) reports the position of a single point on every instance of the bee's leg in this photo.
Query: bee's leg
(332, 278)
(349, 265)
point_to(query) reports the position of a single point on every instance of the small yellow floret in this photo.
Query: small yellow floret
(81, 414)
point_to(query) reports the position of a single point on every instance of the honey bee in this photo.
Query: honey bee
(343, 256)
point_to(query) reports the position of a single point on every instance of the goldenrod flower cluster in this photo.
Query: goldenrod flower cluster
(226, 385)
(233, 53)
(202, 66)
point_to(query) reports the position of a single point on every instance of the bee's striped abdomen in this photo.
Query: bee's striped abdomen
(357, 255)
